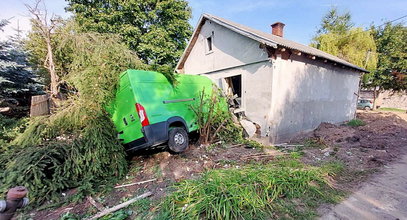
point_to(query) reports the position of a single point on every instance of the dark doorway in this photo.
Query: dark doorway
(235, 90)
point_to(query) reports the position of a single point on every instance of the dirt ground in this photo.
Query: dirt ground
(382, 197)
(363, 150)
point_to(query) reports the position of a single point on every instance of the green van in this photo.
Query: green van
(148, 110)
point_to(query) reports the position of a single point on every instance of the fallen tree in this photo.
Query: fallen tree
(76, 147)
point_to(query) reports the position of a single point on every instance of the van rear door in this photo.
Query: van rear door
(125, 117)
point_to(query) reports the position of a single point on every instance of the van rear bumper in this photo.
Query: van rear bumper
(154, 134)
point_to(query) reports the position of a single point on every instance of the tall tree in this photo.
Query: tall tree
(17, 79)
(156, 30)
(334, 22)
(337, 36)
(45, 26)
(391, 72)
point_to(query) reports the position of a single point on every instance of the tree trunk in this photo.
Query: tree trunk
(51, 68)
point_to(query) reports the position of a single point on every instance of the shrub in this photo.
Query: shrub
(214, 119)
(356, 123)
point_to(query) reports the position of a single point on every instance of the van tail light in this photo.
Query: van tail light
(142, 115)
(371, 102)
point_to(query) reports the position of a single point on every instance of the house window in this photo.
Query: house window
(209, 42)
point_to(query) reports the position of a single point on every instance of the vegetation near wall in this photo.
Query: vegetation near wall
(77, 145)
(214, 119)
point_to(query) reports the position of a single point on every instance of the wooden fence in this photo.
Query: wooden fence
(40, 105)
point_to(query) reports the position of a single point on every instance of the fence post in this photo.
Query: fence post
(40, 105)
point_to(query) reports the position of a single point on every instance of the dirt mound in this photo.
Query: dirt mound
(381, 140)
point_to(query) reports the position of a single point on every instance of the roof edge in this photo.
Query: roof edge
(254, 36)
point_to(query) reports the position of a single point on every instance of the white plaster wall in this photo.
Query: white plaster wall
(284, 97)
(306, 93)
(256, 91)
(229, 49)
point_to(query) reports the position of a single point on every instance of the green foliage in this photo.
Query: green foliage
(334, 22)
(156, 30)
(356, 123)
(77, 145)
(250, 192)
(214, 119)
(391, 73)
(17, 79)
(9, 129)
(337, 37)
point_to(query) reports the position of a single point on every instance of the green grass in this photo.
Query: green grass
(356, 123)
(392, 109)
(284, 189)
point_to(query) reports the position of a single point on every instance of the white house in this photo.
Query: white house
(282, 86)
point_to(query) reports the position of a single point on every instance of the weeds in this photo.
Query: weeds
(315, 143)
(214, 120)
(251, 192)
(356, 123)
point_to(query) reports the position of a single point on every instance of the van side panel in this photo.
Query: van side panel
(163, 101)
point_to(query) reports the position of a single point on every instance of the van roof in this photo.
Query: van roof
(152, 76)
(144, 76)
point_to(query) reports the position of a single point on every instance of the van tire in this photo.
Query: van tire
(177, 140)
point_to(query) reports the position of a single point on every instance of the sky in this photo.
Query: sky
(301, 17)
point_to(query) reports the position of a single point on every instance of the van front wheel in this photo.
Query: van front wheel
(178, 140)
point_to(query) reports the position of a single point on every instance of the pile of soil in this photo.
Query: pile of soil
(363, 149)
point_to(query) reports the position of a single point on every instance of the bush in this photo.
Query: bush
(356, 123)
(214, 119)
(251, 192)
(9, 129)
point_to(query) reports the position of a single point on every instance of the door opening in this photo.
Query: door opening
(234, 91)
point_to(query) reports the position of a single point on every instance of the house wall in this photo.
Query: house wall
(227, 59)
(284, 97)
(229, 50)
(307, 92)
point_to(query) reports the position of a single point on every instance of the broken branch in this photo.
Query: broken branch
(96, 204)
(120, 206)
(137, 183)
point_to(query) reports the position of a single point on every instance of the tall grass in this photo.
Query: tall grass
(251, 192)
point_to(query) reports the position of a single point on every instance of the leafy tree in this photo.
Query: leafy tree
(338, 37)
(391, 72)
(156, 30)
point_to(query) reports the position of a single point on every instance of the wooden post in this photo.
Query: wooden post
(39, 105)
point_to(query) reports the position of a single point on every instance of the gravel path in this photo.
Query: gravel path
(383, 197)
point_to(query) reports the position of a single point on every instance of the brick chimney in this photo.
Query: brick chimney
(277, 29)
